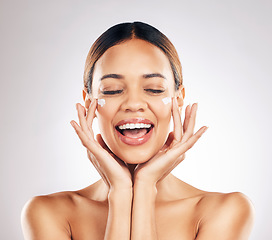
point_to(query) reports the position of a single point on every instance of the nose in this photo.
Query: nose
(134, 102)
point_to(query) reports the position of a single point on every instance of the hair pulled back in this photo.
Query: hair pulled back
(125, 31)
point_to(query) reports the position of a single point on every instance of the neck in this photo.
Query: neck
(167, 189)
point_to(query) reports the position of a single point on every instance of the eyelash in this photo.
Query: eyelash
(156, 91)
(112, 92)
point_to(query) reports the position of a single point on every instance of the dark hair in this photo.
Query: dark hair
(125, 31)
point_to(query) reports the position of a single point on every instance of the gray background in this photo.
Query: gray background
(225, 52)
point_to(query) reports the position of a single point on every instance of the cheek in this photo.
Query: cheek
(105, 114)
(105, 111)
(162, 109)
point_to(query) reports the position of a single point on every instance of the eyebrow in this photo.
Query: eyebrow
(118, 76)
(112, 75)
(151, 75)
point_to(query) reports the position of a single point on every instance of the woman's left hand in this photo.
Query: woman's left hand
(173, 151)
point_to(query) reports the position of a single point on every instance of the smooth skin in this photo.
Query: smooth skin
(137, 197)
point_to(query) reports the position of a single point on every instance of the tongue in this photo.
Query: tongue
(135, 133)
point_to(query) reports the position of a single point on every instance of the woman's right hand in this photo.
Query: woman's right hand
(114, 171)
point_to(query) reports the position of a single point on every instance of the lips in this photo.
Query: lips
(134, 140)
(135, 120)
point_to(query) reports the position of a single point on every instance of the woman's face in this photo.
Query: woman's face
(134, 84)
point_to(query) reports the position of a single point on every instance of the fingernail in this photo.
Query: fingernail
(206, 128)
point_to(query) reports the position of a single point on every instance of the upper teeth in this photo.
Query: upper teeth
(134, 125)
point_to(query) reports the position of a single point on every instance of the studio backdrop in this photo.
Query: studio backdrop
(225, 51)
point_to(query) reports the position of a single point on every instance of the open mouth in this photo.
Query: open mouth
(134, 130)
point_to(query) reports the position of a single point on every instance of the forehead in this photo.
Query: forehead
(133, 57)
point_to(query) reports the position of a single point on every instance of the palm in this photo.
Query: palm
(113, 171)
(121, 171)
(173, 151)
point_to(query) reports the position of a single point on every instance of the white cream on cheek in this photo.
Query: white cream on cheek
(101, 102)
(166, 100)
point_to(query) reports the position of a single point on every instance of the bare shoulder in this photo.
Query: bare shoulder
(56, 202)
(51, 211)
(225, 215)
(225, 201)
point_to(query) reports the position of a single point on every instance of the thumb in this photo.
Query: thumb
(102, 143)
(168, 141)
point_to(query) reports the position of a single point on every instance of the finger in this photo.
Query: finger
(106, 159)
(99, 159)
(104, 145)
(100, 140)
(91, 113)
(177, 162)
(183, 147)
(97, 167)
(191, 123)
(115, 157)
(85, 140)
(177, 120)
(187, 116)
(168, 141)
(78, 130)
(82, 120)
(179, 150)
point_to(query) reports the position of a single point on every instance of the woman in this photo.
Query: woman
(133, 85)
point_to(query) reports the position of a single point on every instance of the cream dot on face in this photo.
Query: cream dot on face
(101, 102)
(166, 100)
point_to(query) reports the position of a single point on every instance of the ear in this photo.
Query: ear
(86, 98)
(180, 95)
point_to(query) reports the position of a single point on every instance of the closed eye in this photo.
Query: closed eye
(154, 90)
(112, 92)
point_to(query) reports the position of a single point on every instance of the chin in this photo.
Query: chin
(136, 156)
